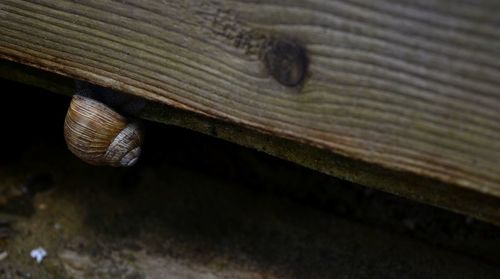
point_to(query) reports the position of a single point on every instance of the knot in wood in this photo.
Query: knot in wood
(286, 61)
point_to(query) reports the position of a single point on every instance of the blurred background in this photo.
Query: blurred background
(199, 207)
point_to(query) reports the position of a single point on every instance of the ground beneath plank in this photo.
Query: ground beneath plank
(198, 207)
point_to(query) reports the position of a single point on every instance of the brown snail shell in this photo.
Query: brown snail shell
(99, 135)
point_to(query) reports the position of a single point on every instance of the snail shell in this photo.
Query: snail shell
(99, 135)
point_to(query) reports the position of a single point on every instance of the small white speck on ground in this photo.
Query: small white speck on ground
(38, 254)
(3, 255)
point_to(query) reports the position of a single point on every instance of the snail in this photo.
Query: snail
(97, 133)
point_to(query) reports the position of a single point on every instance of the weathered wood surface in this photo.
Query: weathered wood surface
(480, 205)
(407, 85)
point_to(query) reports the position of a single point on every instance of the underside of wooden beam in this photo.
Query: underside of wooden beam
(403, 93)
(431, 191)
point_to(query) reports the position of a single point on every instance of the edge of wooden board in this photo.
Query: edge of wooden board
(452, 197)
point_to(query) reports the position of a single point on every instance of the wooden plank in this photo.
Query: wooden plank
(405, 85)
(480, 205)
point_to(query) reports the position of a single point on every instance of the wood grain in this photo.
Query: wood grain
(407, 85)
(462, 200)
